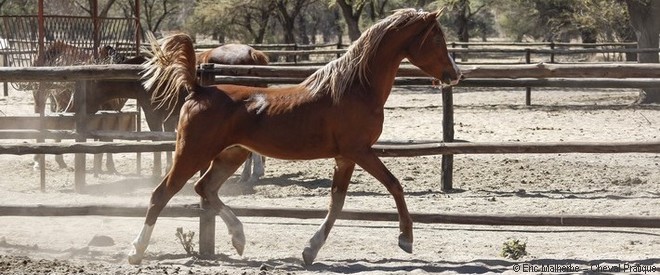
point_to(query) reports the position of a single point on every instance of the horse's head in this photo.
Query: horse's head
(428, 51)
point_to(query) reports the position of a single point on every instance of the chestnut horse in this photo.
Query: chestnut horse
(337, 112)
(239, 54)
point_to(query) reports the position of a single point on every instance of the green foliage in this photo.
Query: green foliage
(517, 20)
(562, 20)
(18, 7)
(513, 249)
(609, 19)
(209, 17)
(468, 18)
(259, 21)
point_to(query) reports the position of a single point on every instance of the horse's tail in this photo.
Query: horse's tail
(171, 71)
(259, 57)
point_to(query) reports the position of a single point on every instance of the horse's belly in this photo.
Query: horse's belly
(293, 147)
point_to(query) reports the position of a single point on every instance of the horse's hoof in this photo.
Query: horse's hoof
(134, 259)
(238, 241)
(308, 256)
(405, 244)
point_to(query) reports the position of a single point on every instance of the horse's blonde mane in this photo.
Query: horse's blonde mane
(336, 77)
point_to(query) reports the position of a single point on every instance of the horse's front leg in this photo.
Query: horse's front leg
(368, 160)
(170, 185)
(340, 180)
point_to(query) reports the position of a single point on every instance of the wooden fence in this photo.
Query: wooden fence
(537, 75)
(525, 52)
(627, 75)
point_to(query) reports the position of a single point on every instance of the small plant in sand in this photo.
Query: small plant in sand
(514, 249)
(186, 240)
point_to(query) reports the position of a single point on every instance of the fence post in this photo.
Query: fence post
(528, 90)
(41, 159)
(80, 100)
(447, 166)
(206, 75)
(5, 63)
(206, 229)
(552, 52)
(207, 216)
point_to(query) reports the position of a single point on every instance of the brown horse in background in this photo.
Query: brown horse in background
(232, 54)
(337, 112)
(239, 54)
(61, 93)
(112, 94)
(164, 118)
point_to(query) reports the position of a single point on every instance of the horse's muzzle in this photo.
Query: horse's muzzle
(452, 78)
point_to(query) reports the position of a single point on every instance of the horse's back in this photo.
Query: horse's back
(234, 54)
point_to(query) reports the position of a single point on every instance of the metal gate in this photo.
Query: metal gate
(19, 36)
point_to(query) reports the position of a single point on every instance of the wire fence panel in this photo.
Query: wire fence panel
(19, 37)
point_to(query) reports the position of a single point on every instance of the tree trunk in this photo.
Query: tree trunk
(645, 19)
(462, 27)
(352, 19)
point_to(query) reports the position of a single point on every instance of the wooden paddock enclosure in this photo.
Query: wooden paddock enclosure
(463, 52)
(61, 126)
(535, 75)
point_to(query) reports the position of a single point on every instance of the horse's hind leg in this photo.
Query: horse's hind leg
(258, 170)
(247, 169)
(183, 169)
(340, 181)
(110, 164)
(60, 158)
(253, 168)
(223, 166)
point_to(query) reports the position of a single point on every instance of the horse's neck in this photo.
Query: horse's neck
(381, 73)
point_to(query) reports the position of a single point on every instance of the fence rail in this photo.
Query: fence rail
(388, 149)
(347, 214)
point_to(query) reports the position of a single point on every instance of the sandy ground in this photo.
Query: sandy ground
(552, 184)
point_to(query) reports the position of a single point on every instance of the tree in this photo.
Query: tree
(17, 7)
(240, 20)
(287, 13)
(645, 19)
(518, 20)
(153, 13)
(103, 7)
(318, 19)
(352, 11)
(464, 13)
